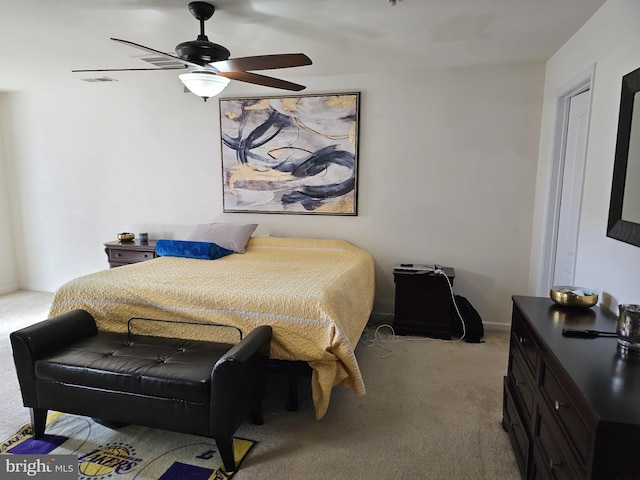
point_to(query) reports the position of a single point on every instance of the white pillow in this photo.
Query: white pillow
(231, 236)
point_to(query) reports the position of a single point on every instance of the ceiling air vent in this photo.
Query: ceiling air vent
(162, 62)
(99, 79)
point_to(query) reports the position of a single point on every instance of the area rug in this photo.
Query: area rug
(127, 453)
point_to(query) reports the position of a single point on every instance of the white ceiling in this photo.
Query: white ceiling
(43, 40)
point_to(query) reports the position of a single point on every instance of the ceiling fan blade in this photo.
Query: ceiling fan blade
(263, 62)
(153, 50)
(262, 80)
(127, 69)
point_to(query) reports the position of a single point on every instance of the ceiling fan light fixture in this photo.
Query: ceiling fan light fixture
(204, 84)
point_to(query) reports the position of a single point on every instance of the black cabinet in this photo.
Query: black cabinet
(423, 304)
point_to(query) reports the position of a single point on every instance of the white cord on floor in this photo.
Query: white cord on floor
(439, 271)
(377, 338)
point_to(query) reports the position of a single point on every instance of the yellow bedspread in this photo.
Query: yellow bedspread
(316, 294)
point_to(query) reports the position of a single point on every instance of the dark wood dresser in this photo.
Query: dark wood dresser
(571, 405)
(125, 253)
(423, 303)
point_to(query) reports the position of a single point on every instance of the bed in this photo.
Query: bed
(316, 294)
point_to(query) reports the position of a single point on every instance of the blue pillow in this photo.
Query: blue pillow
(190, 249)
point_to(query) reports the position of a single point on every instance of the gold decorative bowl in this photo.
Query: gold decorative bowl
(126, 236)
(574, 296)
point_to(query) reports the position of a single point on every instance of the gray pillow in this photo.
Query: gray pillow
(231, 236)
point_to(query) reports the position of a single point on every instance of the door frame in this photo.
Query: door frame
(581, 83)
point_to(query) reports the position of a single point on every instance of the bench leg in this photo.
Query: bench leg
(292, 402)
(38, 422)
(225, 447)
(257, 415)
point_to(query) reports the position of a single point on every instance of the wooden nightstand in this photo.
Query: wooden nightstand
(125, 253)
(423, 303)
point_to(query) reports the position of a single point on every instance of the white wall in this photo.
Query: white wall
(8, 273)
(446, 174)
(609, 39)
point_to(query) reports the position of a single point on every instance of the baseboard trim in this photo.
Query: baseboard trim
(36, 288)
(9, 289)
(504, 327)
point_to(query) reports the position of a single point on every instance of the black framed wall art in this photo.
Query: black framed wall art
(290, 154)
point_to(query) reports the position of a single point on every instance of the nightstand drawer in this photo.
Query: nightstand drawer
(120, 253)
(422, 322)
(431, 286)
(422, 328)
(415, 297)
(423, 310)
(128, 256)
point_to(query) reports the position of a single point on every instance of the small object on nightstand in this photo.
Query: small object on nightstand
(423, 301)
(414, 268)
(126, 236)
(143, 237)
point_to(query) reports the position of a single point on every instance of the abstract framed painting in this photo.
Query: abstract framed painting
(290, 154)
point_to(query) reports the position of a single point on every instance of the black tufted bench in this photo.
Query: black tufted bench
(196, 387)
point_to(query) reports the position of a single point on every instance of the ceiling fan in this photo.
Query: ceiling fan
(209, 66)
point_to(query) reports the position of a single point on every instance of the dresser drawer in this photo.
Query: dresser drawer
(525, 342)
(564, 411)
(523, 384)
(515, 427)
(552, 449)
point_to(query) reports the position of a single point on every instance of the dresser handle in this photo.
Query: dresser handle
(522, 340)
(118, 254)
(558, 405)
(520, 382)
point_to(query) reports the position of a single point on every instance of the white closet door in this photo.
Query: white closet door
(572, 184)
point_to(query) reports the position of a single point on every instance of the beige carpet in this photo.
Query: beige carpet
(433, 410)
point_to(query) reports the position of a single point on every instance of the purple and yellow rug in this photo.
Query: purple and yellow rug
(128, 453)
